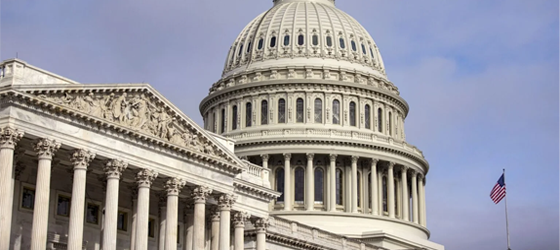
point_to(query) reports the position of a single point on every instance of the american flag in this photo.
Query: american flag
(499, 190)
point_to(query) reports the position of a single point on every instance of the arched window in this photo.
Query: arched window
(339, 186)
(300, 40)
(390, 124)
(214, 125)
(299, 110)
(280, 184)
(367, 117)
(359, 189)
(315, 40)
(353, 45)
(318, 110)
(342, 44)
(336, 112)
(273, 42)
(234, 117)
(264, 112)
(379, 120)
(329, 41)
(248, 114)
(286, 40)
(364, 49)
(352, 114)
(319, 184)
(384, 193)
(299, 181)
(371, 51)
(281, 111)
(240, 50)
(249, 47)
(260, 45)
(223, 121)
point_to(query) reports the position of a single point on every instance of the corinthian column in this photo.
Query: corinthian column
(45, 150)
(113, 170)
(80, 160)
(421, 201)
(199, 195)
(214, 228)
(309, 184)
(239, 219)
(414, 184)
(391, 190)
(354, 184)
(173, 186)
(374, 199)
(9, 137)
(261, 225)
(224, 203)
(405, 197)
(332, 175)
(189, 227)
(287, 183)
(144, 179)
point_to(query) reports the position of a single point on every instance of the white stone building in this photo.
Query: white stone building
(303, 147)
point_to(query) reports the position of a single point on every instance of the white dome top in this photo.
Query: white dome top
(304, 33)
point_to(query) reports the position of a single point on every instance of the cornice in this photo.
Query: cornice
(255, 191)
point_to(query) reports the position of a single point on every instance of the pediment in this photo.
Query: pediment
(136, 108)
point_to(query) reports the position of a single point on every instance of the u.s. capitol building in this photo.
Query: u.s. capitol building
(303, 147)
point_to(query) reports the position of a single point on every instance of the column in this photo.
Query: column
(239, 219)
(9, 138)
(365, 191)
(380, 192)
(199, 195)
(261, 225)
(144, 180)
(189, 227)
(421, 201)
(414, 184)
(354, 184)
(214, 228)
(45, 149)
(224, 203)
(391, 190)
(265, 158)
(162, 197)
(113, 170)
(332, 176)
(134, 222)
(80, 160)
(287, 183)
(374, 197)
(405, 197)
(173, 187)
(309, 184)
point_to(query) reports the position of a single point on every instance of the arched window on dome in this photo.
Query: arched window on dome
(249, 47)
(280, 183)
(299, 110)
(379, 120)
(367, 117)
(281, 111)
(264, 112)
(214, 125)
(371, 52)
(273, 42)
(315, 40)
(352, 114)
(329, 41)
(240, 50)
(234, 117)
(336, 112)
(319, 184)
(353, 45)
(384, 193)
(318, 110)
(299, 184)
(359, 188)
(397, 202)
(390, 117)
(339, 186)
(286, 40)
(364, 49)
(260, 44)
(223, 121)
(248, 114)
(342, 44)
(300, 40)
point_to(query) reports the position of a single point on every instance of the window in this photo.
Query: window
(122, 221)
(28, 198)
(367, 116)
(248, 114)
(384, 193)
(286, 40)
(339, 186)
(280, 184)
(318, 110)
(336, 112)
(300, 40)
(353, 45)
(369, 188)
(240, 50)
(352, 114)
(281, 111)
(152, 228)
(299, 110)
(390, 124)
(329, 41)
(264, 112)
(223, 121)
(379, 120)
(315, 40)
(359, 189)
(396, 190)
(63, 206)
(260, 44)
(342, 44)
(364, 49)
(273, 42)
(319, 184)
(92, 213)
(299, 181)
(249, 47)
(213, 122)
(234, 117)
(371, 51)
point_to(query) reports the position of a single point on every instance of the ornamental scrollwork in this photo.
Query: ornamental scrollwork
(200, 194)
(46, 148)
(145, 177)
(9, 137)
(174, 185)
(114, 168)
(81, 158)
(239, 218)
(225, 201)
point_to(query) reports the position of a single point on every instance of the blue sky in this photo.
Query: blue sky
(481, 78)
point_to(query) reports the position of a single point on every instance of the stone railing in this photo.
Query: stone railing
(15, 71)
(255, 174)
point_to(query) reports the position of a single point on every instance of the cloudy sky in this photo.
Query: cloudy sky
(481, 78)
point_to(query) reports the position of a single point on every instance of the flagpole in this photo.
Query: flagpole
(507, 224)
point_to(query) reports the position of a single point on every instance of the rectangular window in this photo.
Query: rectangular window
(281, 111)
(92, 213)
(122, 221)
(152, 228)
(63, 206)
(28, 198)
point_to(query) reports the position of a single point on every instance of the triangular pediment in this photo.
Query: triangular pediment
(138, 109)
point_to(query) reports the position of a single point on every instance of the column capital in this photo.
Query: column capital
(200, 194)
(214, 214)
(287, 156)
(239, 219)
(225, 201)
(332, 157)
(265, 157)
(261, 224)
(9, 137)
(81, 158)
(173, 186)
(355, 159)
(310, 156)
(46, 148)
(145, 177)
(114, 168)
(374, 161)
(404, 168)
(391, 164)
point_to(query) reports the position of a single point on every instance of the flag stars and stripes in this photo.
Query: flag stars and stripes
(499, 190)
